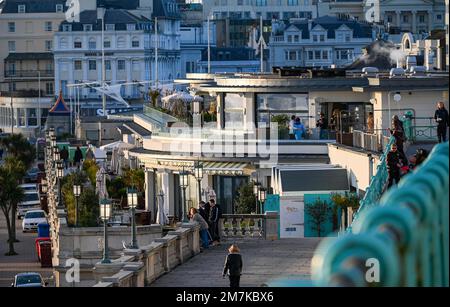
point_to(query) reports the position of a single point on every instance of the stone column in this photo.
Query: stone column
(271, 225)
(150, 191)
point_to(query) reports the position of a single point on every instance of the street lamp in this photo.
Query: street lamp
(53, 140)
(184, 177)
(105, 214)
(77, 193)
(198, 173)
(56, 155)
(44, 186)
(256, 187)
(262, 198)
(59, 176)
(132, 203)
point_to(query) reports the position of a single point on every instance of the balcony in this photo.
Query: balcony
(29, 74)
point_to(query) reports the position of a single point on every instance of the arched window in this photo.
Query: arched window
(92, 43)
(121, 42)
(77, 43)
(135, 42)
(63, 43)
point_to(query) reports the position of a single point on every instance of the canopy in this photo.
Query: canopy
(116, 145)
(181, 96)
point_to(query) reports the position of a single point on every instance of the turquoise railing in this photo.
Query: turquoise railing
(401, 241)
(377, 185)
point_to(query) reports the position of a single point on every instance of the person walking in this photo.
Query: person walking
(442, 120)
(291, 128)
(64, 155)
(233, 266)
(214, 217)
(399, 136)
(393, 165)
(78, 156)
(299, 129)
(322, 123)
(196, 217)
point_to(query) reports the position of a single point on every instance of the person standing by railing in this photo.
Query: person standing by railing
(370, 123)
(299, 129)
(399, 135)
(214, 217)
(442, 119)
(194, 216)
(322, 124)
(393, 165)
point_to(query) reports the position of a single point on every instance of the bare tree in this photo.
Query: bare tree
(320, 213)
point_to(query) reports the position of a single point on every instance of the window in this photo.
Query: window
(11, 27)
(12, 46)
(135, 42)
(121, 42)
(77, 65)
(92, 43)
(421, 18)
(67, 28)
(109, 27)
(131, 27)
(63, 43)
(325, 54)
(92, 65)
(240, 2)
(49, 88)
(315, 38)
(292, 2)
(107, 44)
(121, 65)
(439, 17)
(261, 2)
(77, 44)
(107, 64)
(247, 15)
(21, 117)
(310, 55)
(322, 37)
(317, 54)
(190, 66)
(234, 111)
(87, 27)
(389, 18)
(292, 55)
(48, 26)
(405, 18)
(59, 8)
(348, 37)
(296, 38)
(48, 45)
(289, 38)
(21, 8)
(32, 117)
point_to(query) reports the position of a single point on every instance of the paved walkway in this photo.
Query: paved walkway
(263, 261)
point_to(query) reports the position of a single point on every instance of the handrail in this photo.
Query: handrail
(376, 186)
(402, 240)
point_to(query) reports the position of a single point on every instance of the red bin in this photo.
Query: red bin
(37, 241)
(45, 251)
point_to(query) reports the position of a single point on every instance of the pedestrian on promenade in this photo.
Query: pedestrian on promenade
(64, 155)
(399, 136)
(322, 123)
(291, 128)
(299, 129)
(202, 210)
(78, 156)
(396, 120)
(393, 165)
(196, 217)
(233, 266)
(370, 123)
(214, 217)
(442, 119)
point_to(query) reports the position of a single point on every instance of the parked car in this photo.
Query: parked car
(32, 175)
(28, 280)
(30, 202)
(29, 187)
(32, 219)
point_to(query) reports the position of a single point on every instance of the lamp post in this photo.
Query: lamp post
(77, 193)
(184, 176)
(105, 214)
(132, 203)
(59, 175)
(256, 187)
(262, 198)
(198, 173)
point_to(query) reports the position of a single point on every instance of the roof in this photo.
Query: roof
(135, 128)
(166, 8)
(59, 108)
(331, 24)
(333, 179)
(16, 56)
(31, 6)
(119, 17)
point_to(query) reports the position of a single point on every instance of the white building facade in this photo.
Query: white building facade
(323, 42)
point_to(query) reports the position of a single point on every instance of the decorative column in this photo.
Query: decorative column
(150, 191)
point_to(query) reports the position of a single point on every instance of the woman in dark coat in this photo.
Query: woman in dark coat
(233, 266)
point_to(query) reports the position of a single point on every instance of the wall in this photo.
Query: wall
(326, 227)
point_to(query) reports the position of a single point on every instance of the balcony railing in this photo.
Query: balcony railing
(29, 73)
(242, 225)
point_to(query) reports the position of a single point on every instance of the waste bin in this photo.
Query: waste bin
(45, 250)
(36, 242)
(43, 230)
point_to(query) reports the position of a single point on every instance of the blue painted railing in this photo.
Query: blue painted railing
(377, 185)
(402, 240)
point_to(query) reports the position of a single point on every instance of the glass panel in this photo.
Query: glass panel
(32, 117)
(234, 111)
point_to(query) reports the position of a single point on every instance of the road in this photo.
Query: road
(25, 261)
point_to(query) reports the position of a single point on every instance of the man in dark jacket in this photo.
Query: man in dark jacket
(233, 266)
(393, 165)
(214, 217)
(78, 156)
(441, 118)
(399, 136)
(64, 155)
(322, 123)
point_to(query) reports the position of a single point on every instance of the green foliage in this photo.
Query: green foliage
(343, 202)
(91, 169)
(116, 188)
(18, 146)
(282, 120)
(154, 94)
(134, 178)
(88, 211)
(245, 201)
(319, 211)
(209, 117)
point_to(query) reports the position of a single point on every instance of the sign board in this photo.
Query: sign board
(291, 218)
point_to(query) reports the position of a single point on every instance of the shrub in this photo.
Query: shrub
(245, 201)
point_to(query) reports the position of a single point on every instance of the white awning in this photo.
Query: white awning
(227, 168)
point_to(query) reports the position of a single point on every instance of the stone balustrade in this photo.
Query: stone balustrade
(262, 226)
(140, 267)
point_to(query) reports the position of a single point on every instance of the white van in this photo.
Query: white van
(31, 201)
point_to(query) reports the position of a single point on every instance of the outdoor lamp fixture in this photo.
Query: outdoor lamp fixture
(60, 169)
(256, 187)
(76, 193)
(53, 140)
(262, 198)
(184, 177)
(198, 173)
(44, 186)
(55, 153)
(105, 214)
(132, 203)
